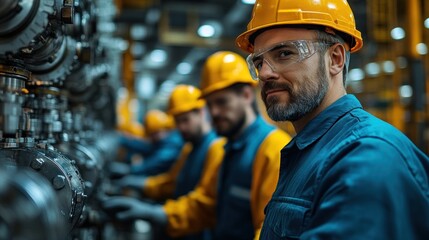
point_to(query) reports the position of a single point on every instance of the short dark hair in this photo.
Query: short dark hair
(330, 38)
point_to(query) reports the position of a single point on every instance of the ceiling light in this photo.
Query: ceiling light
(210, 29)
(137, 49)
(406, 91)
(184, 68)
(158, 56)
(206, 31)
(422, 49)
(356, 74)
(153, 15)
(248, 1)
(372, 69)
(426, 23)
(397, 33)
(145, 86)
(388, 66)
(138, 32)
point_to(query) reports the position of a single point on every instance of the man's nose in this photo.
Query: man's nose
(267, 70)
(215, 110)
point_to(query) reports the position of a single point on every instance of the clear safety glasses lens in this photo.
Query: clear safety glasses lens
(281, 55)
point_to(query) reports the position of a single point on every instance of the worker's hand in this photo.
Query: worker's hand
(126, 208)
(118, 169)
(131, 181)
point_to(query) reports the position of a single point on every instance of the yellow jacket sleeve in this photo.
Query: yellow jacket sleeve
(266, 169)
(197, 210)
(161, 186)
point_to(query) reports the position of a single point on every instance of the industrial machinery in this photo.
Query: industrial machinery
(59, 70)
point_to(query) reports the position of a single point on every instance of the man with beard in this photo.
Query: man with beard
(232, 201)
(249, 171)
(202, 144)
(200, 158)
(346, 174)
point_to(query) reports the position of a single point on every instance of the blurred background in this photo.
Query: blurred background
(169, 40)
(75, 73)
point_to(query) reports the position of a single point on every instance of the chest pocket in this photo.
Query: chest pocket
(286, 218)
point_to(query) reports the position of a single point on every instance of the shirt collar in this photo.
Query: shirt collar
(318, 126)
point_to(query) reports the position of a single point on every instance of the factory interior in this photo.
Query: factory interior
(75, 74)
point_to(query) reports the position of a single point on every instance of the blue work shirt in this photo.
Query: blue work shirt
(135, 146)
(190, 173)
(234, 217)
(161, 156)
(349, 175)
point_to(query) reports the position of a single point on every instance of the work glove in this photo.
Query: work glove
(118, 169)
(126, 208)
(131, 181)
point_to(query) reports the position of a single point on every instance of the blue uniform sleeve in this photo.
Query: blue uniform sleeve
(370, 190)
(141, 146)
(162, 158)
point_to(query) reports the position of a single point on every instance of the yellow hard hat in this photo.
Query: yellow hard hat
(223, 69)
(334, 14)
(156, 121)
(185, 98)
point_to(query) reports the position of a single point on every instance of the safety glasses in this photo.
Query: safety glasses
(282, 55)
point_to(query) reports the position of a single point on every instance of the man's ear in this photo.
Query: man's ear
(337, 59)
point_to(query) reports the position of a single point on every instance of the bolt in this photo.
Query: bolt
(59, 182)
(67, 14)
(37, 163)
(79, 197)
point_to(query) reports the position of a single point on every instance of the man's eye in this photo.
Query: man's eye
(222, 102)
(258, 64)
(284, 54)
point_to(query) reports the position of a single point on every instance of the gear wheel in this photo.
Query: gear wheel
(58, 72)
(56, 168)
(25, 25)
